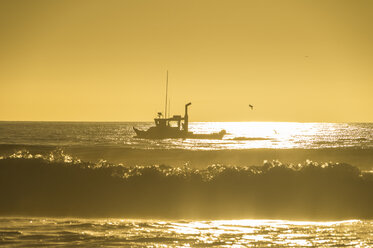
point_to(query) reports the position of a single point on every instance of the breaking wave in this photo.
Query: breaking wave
(61, 185)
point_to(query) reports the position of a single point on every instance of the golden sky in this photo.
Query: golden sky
(294, 60)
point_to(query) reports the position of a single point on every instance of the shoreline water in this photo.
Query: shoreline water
(109, 232)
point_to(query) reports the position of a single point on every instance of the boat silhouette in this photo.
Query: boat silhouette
(174, 127)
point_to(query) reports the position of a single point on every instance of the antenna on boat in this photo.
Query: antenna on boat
(169, 106)
(165, 109)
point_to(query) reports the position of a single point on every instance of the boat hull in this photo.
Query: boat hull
(175, 134)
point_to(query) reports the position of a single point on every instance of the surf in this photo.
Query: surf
(61, 185)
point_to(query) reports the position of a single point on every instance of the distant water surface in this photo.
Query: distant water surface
(240, 135)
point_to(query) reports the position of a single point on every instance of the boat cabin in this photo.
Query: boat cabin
(181, 122)
(169, 122)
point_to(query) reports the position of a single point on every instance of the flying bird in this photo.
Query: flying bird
(251, 106)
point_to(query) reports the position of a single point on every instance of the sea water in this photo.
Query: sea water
(240, 135)
(246, 143)
(263, 184)
(69, 232)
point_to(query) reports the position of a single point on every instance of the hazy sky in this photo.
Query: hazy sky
(294, 60)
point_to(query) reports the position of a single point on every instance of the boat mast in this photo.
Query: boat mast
(169, 106)
(165, 109)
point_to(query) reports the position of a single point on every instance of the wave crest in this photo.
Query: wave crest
(58, 184)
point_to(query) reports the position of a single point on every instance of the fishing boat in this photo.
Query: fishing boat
(174, 127)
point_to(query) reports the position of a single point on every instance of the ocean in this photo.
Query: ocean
(240, 135)
(94, 184)
(69, 232)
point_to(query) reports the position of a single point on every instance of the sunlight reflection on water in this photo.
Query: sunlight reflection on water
(240, 135)
(223, 233)
(246, 135)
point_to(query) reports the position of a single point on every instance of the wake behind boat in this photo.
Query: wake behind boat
(174, 127)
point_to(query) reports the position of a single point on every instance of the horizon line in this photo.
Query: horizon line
(111, 121)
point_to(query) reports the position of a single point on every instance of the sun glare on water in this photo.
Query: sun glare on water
(183, 233)
(246, 135)
(266, 232)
